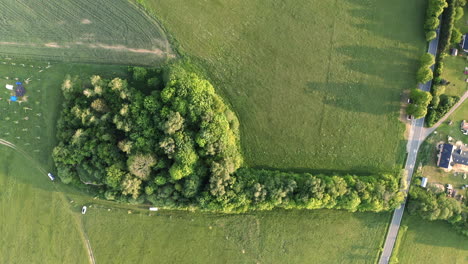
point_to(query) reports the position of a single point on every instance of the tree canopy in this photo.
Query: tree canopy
(164, 136)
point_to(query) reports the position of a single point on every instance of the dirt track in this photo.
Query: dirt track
(77, 219)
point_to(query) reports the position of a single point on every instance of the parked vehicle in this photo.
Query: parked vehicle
(83, 210)
(52, 177)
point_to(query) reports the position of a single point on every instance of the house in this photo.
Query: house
(464, 127)
(454, 52)
(424, 182)
(445, 156)
(464, 43)
(20, 91)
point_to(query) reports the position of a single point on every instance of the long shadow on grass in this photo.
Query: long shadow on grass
(380, 18)
(358, 171)
(355, 97)
(394, 66)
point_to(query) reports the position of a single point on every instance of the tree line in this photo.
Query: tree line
(432, 206)
(165, 137)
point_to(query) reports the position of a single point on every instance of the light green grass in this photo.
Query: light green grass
(103, 31)
(36, 225)
(431, 242)
(265, 237)
(316, 84)
(454, 73)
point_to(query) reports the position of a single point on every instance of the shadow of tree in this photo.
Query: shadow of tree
(355, 97)
(365, 12)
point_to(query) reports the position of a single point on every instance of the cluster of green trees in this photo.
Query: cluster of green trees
(440, 105)
(419, 101)
(166, 138)
(257, 189)
(433, 12)
(169, 134)
(437, 206)
(424, 73)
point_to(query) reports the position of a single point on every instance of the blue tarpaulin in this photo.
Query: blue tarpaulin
(18, 83)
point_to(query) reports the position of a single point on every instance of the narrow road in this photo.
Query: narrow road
(416, 136)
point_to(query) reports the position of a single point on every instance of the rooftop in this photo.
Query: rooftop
(445, 155)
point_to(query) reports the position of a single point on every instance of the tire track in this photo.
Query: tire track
(77, 220)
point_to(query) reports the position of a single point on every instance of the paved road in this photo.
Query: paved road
(416, 136)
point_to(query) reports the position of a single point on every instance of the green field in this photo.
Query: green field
(36, 225)
(431, 242)
(39, 221)
(102, 31)
(316, 84)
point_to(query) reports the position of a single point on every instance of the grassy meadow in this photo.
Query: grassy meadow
(41, 219)
(431, 242)
(316, 84)
(37, 225)
(102, 31)
(39, 222)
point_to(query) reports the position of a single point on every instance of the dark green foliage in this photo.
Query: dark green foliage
(456, 36)
(435, 113)
(420, 101)
(432, 206)
(147, 140)
(448, 20)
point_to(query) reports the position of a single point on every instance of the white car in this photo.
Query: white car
(83, 210)
(52, 178)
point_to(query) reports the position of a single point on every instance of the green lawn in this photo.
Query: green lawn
(316, 84)
(454, 73)
(104, 31)
(431, 242)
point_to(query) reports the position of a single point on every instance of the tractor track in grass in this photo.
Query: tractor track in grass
(78, 221)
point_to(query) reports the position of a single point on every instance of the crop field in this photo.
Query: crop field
(41, 220)
(316, 84)
(431, 242)
(101, 31)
